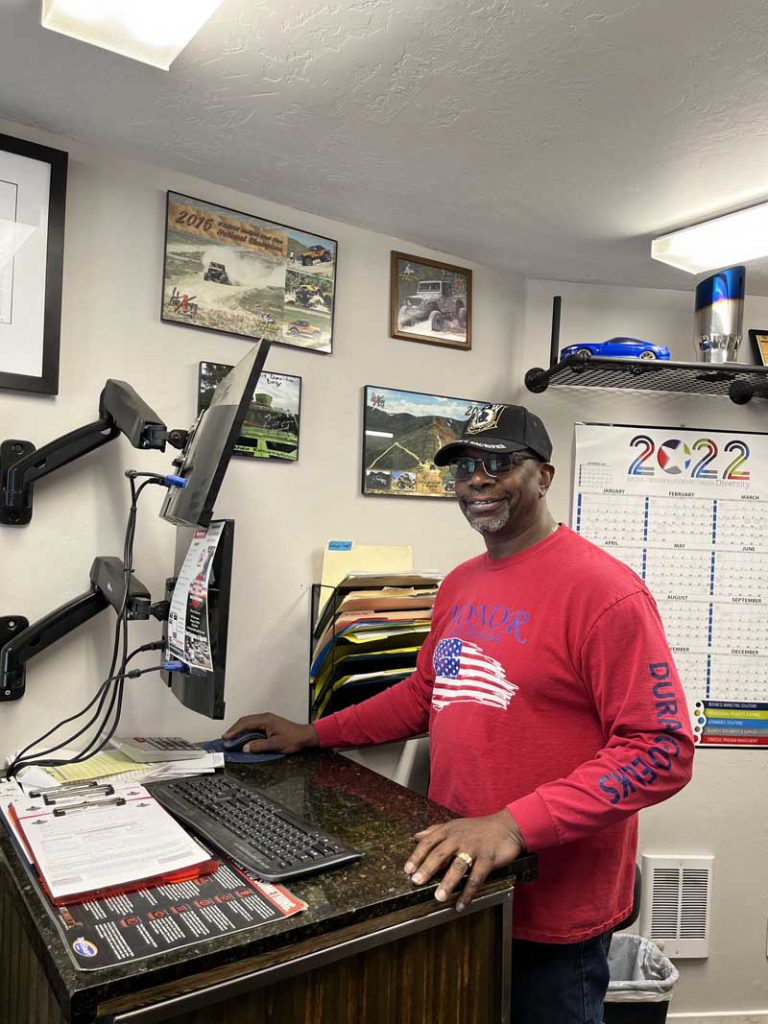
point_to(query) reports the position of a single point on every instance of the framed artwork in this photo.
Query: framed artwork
(430, 302)
(402, 430)
(239, 274)
(271, 428)
(759, 340)
(33, 188)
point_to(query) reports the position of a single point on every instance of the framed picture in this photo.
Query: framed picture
(430, 302)
(759, 340)
(402, 430)
(271, 428)
(239, 274)
(33, 188)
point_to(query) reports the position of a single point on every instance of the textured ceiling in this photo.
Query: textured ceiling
(550, 137)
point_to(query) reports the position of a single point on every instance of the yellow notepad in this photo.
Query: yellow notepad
(96, 767)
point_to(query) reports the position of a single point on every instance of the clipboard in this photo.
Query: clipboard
(86, 847)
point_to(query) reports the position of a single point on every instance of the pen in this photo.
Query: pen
(85, 805)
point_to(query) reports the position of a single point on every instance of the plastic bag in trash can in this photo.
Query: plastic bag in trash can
(640, 973)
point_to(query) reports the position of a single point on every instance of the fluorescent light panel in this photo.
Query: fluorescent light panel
(152, 31)
(734, 238)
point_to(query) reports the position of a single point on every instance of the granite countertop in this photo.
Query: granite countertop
(366, 810)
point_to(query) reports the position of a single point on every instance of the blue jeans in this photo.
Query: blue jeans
(559, 984)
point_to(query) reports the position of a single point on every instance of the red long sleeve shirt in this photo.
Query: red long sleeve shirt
(547, 687)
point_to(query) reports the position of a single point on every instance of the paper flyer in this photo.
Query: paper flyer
(188, 625)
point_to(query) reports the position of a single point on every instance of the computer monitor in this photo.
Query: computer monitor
(198, 618)
(209, 446)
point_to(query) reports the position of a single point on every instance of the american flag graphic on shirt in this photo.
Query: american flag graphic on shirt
(463, 672)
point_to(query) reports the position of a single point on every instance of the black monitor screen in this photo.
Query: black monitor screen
(210, 443)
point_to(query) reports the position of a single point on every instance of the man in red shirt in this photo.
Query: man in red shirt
(554, 712)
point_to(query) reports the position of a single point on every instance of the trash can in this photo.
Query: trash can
(642, 980)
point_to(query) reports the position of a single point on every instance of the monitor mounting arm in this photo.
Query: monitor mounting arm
(121, 410)
(19, 641)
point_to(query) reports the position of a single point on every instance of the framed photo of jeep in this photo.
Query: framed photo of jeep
(402, 431)
(430, 302)
(241, 274)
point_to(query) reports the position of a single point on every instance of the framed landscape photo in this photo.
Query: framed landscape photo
(33, 187)
(759, 340)
(271, 428)
(402, 431)
(240, 274)
(430, 302)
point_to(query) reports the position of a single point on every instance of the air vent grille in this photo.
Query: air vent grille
(665, 911)
(695, 903)
(676, 900)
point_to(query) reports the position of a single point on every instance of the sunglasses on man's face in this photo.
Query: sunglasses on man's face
(493, 465)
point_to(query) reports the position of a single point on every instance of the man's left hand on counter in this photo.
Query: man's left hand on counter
(471, 847)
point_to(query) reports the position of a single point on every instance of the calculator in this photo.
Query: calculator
(158, 748)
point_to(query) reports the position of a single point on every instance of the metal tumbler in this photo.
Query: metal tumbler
(719, 316)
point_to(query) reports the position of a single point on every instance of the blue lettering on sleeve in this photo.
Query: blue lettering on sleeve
(641, 771)
(664, 696)
(613, 793)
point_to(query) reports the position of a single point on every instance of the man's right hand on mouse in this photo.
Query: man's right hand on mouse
(281, 735)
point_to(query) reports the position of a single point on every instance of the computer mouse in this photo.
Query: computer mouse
(237, 742)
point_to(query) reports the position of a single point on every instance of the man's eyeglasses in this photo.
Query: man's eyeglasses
(493, 465)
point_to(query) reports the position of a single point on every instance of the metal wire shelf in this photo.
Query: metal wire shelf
(737, 381)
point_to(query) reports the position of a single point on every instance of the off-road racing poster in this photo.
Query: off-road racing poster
(271, 427)
(430, 302)
(402, 431)
(236, 273)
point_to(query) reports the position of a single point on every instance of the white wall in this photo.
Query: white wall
(285, 512)
(722, 811)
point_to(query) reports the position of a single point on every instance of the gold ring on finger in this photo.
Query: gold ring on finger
(466, 857)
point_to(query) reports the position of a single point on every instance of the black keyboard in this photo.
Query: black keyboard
(260, 834)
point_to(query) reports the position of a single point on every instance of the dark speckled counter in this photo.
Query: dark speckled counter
(370, 946)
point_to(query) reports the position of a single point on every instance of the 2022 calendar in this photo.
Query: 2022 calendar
(688, 511)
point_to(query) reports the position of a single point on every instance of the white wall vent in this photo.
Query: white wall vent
(675, 903)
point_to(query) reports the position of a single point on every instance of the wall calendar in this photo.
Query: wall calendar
(688, 511)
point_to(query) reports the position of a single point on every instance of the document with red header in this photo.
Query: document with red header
(86, 844)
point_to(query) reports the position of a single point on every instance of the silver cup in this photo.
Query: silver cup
(719, 316)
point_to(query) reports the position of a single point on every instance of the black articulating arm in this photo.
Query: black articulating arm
(121, 410)
(108, 583)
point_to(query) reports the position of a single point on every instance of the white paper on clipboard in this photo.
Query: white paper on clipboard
(83, 844)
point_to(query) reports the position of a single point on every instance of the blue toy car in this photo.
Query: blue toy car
(622, 348)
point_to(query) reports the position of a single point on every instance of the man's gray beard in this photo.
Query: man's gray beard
(490, 525)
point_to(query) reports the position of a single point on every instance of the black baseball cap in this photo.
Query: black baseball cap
(499, 428)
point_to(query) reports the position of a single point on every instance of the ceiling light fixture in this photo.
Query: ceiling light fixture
(733, 238)
(152, 31)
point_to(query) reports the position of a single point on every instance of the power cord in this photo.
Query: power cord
(110, 692)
